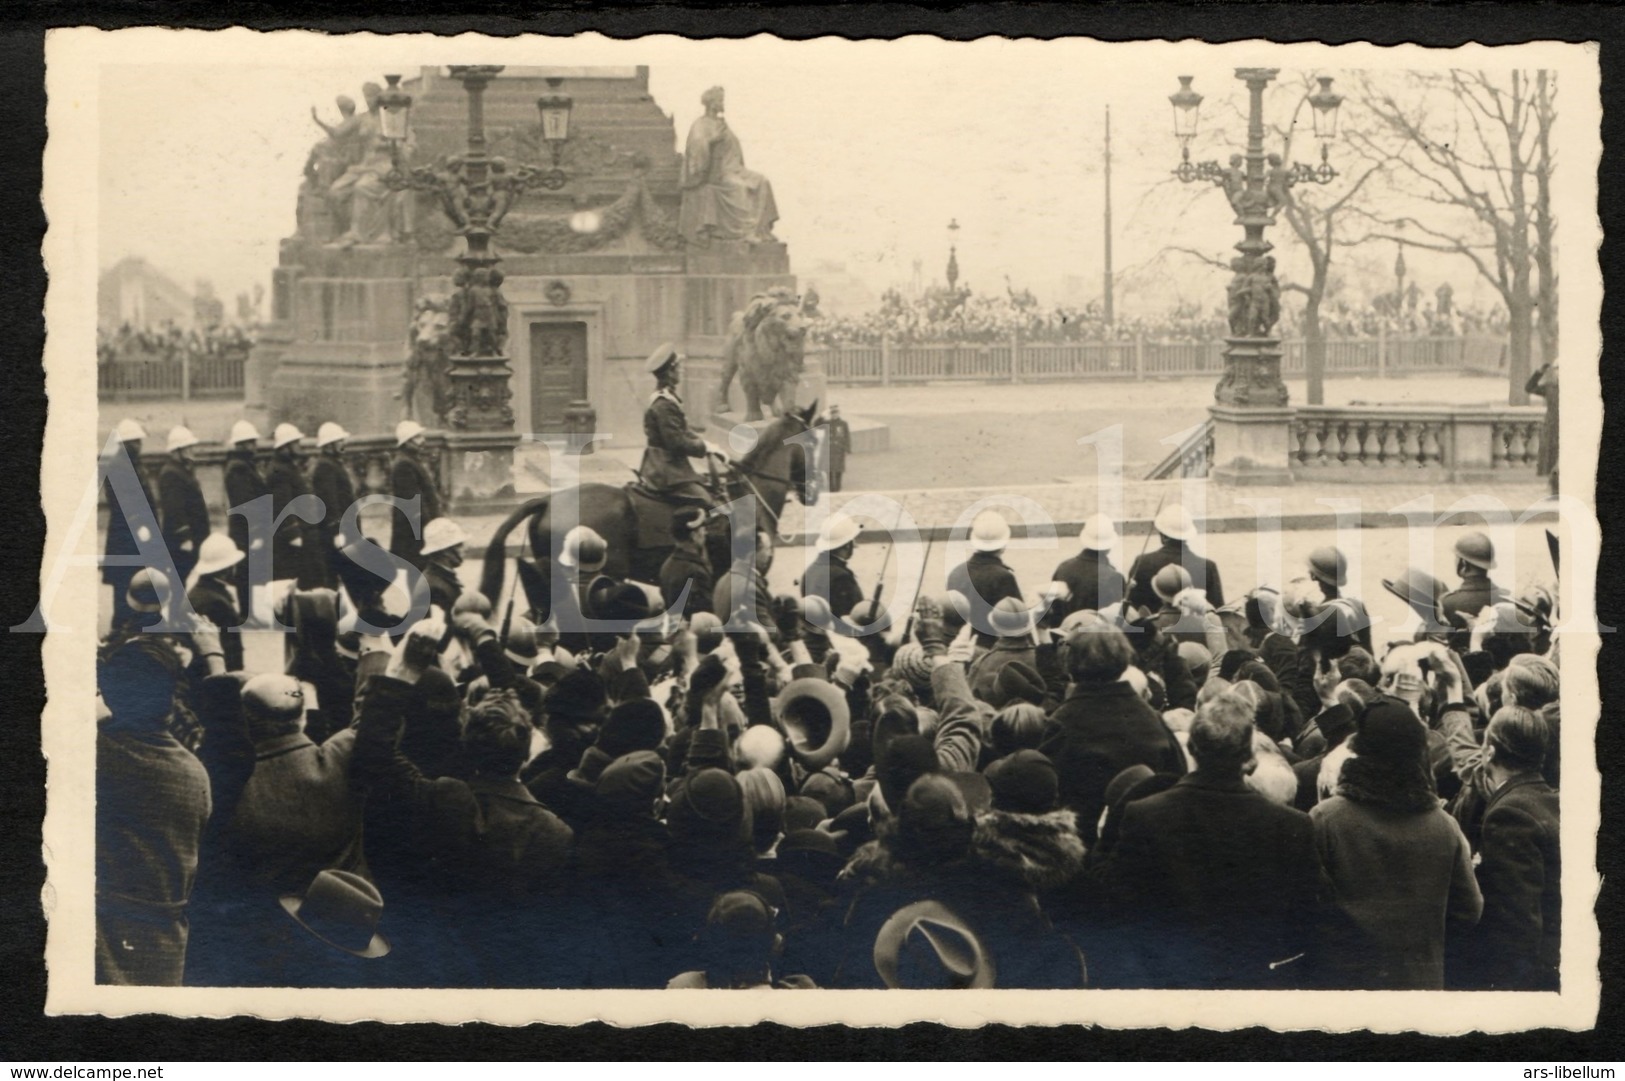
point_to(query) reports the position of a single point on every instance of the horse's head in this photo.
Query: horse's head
(786, 453)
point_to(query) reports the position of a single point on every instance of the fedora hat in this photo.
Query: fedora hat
(1098, 534)
(837, 532)
(928, 937)
(989, 532)
(341, 909)
(583, 549)
(800, 702)
(1420, 591)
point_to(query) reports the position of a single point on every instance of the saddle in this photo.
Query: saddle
(653, 512)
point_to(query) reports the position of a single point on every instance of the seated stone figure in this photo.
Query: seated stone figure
(722, 200)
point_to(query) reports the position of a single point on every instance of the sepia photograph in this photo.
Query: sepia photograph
(564, 529)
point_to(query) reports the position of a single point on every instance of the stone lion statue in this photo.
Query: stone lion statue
(767, 349)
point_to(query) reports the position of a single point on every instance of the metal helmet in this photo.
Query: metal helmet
(1170, 581)
(521, 645)
(1475, 548)
(180, 437)
(1327, 564)
(584, 549)
(284, 434)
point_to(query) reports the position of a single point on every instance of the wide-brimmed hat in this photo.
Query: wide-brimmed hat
(1098, 534)
(1175, 522)
(342, 909)
(926, 944)
(1010, 617)
(1170, 581)
(180, 437)
(838, 531)
(803, 698)
(217, 552)
(663, 354)
(583, 549)
(989, 532)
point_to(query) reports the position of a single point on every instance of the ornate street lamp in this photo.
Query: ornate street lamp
(1258, 185)
(475, 192)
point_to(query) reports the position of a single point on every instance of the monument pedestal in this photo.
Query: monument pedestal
(479, 471)
(1251, 445)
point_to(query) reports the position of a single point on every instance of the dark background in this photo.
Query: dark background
(31, 1036)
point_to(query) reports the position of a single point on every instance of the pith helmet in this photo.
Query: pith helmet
(989, 532)
(330, 432)
(128, 431)
(1175, 522)
(180, 437)
(406, 430)
(243, 432)
(440, 534)
(838, 531)
(285, 433)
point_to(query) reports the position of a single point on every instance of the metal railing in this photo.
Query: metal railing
(1015, 360)
(184, 377)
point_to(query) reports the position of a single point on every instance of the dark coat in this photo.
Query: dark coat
(409, 477)
(623, 863)
(330, 482)
(152, 802)
(1216, 884)
(444, 585)
(730, 593)
(1204, 575)
(1399, 881)
(244, 484)
(840, 445)
(121, 529)
(985, 581)
(502, 858)
(185, 514)
(287, 482)
(830, 578)
(1094, 582)
(671, 443)
(1462, 604)
(212, 600)
(1101, 731)
(683, 566)
(1516, 946)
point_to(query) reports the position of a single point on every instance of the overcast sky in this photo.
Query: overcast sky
(871, 146)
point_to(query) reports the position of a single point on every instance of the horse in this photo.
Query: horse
(767, 474)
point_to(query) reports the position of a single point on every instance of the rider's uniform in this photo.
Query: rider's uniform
(666, 467)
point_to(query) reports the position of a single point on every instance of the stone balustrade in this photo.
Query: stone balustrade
(1378, 443)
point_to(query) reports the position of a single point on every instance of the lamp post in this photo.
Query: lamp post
(476, 192)
(1258, 185)
(953, 254)
(1250, 414)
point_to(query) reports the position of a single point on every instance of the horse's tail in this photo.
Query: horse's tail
(496, 552)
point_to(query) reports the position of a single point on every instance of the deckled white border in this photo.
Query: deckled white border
(71, 201)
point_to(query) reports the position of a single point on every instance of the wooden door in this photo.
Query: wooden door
(558, 371)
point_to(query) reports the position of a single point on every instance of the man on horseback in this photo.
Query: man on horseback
(666, 470)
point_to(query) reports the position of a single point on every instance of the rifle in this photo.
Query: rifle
(908, 628)
(880, 582)
(1122, 609)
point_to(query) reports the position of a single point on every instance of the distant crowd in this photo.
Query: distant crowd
(168, 341)
(943, 316)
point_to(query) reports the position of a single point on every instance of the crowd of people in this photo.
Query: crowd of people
(169, 341)
(963, 316)
(1116, 778)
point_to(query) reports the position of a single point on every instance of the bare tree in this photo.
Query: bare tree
(1473, 144)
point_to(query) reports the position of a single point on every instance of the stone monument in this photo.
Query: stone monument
(585, 278)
